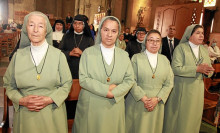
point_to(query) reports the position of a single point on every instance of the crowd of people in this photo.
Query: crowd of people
(131, 83)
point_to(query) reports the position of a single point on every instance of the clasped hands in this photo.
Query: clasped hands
(35, 103)
(75, 52)
(109, 94)
(205, 69)
(149, 103)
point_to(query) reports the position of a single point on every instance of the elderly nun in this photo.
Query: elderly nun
(190, 64)
(38, 80)
(154, 81)
(106, 76)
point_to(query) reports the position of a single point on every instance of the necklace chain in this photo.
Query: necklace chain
(77, 45)
(151, 66)
(108, 79)
(35, 62)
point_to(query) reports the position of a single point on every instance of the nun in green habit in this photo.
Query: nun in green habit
(106, 76)
(154, 81)
(38, 80)
(191, 63)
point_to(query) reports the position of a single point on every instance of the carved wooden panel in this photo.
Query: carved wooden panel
(179, 15)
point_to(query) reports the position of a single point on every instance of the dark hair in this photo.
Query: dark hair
(153, 31)
(195, 28)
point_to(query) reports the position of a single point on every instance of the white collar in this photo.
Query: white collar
(170, 38)
(139, 41)
(78, 33)
(38, 52)
(193, 45)
(152, 58)
(107, 53)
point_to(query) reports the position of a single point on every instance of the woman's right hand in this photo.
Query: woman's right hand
(29, 102)
(205, 69)
(109, 94)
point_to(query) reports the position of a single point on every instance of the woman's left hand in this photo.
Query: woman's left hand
(151, 104)
(42, 102)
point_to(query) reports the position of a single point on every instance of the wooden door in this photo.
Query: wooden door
(179, 15)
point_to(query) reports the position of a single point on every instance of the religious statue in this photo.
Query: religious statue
(140, 16)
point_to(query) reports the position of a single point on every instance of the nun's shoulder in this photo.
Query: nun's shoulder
(121, 51)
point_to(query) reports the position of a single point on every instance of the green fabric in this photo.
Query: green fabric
(138, 119)
(184, 108)
(121, 45)
(55, 82)
(95, 113)
(24, 42)
(187, 33)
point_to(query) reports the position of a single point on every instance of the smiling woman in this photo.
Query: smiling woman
(38, 80)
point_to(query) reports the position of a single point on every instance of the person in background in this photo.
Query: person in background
(38, 80)
(72, 45)
(127, 35)
(8, 29)
(190, 64)
(120, 42)
(100, 108)
(169, 43)
(154, 81)
(214, 52)
(69, 19)
(92, 29)
(58, 32)
(134, 46)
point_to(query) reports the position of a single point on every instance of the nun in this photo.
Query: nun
(58, 32)
(154, 80)
(100, 108)
(38, 80)
(190, 64)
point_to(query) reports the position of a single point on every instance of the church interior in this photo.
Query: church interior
(149, 14)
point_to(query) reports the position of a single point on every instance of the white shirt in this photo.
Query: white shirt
(107, 53)
(152, 58)
(38, 52)
(195, 49)
(58, 35)
(169, 41)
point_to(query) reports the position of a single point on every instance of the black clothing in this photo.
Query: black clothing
(166, 47)
(69, 19)
(127, 36)
(133, 47)
(68, 43)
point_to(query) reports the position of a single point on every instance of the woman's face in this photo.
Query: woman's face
(78, 26)
(59, 26)
(121, 37)
(36, 29)
(109, 33)
(153, 43)
(197, 37)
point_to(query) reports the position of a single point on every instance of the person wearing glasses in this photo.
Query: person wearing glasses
(72, 45)
(190, 64)
(134, 45)
(154, 81)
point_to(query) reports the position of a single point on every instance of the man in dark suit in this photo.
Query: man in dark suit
(169, 43)
(69, 19)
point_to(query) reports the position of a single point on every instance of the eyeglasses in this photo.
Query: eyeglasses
(78, 23)
(154, 41)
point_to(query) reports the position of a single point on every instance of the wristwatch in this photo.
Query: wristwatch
(158, 99)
